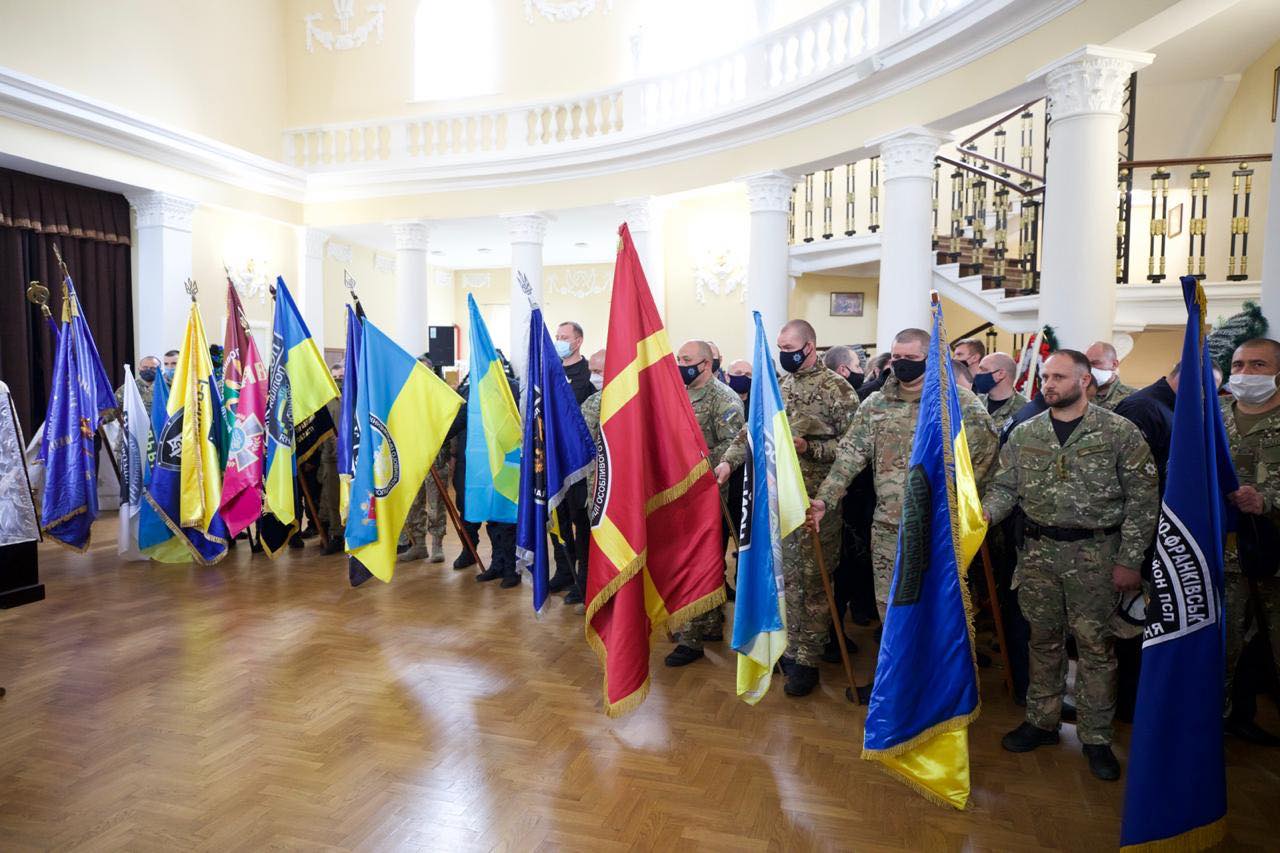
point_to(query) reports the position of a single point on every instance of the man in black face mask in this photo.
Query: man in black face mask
(844, 361)
(719, 414)
(820, 406)
(148, 370)
(881, 436)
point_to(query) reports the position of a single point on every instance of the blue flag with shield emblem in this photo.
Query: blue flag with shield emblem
(1176, 792)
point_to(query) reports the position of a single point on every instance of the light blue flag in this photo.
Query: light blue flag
(493, 432)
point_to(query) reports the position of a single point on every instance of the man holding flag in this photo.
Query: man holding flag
(1175, 796)
(557, 452)
(656, 555)
(1086, 481)
(775, 501)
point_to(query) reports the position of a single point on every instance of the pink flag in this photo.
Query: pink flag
(244, 383)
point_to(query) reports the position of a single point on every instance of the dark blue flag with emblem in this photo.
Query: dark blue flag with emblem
(80, 395)
(558, 452)
(1176, 793)
(349, 431)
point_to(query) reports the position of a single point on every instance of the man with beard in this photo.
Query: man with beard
(1086, 482)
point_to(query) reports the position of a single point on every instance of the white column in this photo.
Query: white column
(906, 235)
(768, 197)
(164, 264)
(1077, 272)
(309, 288)
(644, 220)
(1271, 244)
(527, 232)
(411, 286)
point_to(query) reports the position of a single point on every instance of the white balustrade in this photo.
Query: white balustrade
(817, 45)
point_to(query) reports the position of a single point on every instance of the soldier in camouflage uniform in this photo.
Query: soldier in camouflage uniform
(145, 377)
(427, 514)
(1087, 484)
(820, 405)
(1105, 366)
(881, 436)
(993, 383)
(719, 414)
(330, 517)
(1252, 420)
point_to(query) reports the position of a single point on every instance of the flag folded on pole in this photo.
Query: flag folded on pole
(245, 388)
(926, 686)
(493, 432)
(656, 554)
(558, 452)
(135, 443)
(299, 386)
(1176, 791)
(348, 436)
(403, 413)
(774, 504)
(80, 395)
(155, 539)
(186, 482)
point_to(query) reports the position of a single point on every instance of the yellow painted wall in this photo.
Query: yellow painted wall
(376, 289)
(215, 69)
(811, 300)
(1154, 352)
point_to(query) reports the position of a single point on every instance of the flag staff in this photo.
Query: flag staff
(855, 694)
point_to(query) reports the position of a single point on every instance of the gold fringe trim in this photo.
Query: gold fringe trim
(182, 537)
(315, 445)
(921, 789)
(674, 493)
(696, 608)
(1191, 841)
(293, 528)
(942, 728)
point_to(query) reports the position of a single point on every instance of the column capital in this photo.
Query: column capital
(638, 213)
(314, 243)
(526, 227)
(909, 152)
(410, 235)
(769, 192)
(1090, 81)
(159, 209)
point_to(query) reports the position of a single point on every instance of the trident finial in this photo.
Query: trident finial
(190, 287)
(58, 254)
(523, 281)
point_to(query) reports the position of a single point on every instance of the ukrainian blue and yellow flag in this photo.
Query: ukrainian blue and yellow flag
(186, 483)
(403, 413)
(493, 432)
(775, 502)
(300, 385)
(348, 438)
(926, 686)
(1176, 794)
(155, 539)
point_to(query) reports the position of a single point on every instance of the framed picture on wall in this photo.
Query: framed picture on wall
(846, 304)
(1175, 220)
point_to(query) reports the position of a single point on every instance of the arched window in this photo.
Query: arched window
(455, 50)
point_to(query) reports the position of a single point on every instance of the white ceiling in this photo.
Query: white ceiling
(584, 235)
(1227, 43)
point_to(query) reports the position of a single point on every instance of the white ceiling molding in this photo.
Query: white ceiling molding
(719, 274)
(340, 252)
(384, 263)
(345, 38)
(560, 11)
(579, 283)
(444, 278)
(476, 280)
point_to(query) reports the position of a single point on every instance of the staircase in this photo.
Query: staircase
(968, 278)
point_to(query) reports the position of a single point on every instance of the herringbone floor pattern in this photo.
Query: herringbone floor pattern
(258, 705)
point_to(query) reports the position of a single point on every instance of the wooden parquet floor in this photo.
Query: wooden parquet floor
(258, 705)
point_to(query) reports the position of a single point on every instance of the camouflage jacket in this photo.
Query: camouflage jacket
(1102, 477)
(145, 391)
(591, 414)
(1114, 393)
(1001, 416)
(719, 414)
(882, 435)
(1256, 454)
(820, 406)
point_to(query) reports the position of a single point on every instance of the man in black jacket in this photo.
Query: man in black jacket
(574, 521)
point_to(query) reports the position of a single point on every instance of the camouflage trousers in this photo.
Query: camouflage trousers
(1065, 587)
(1238, 616)
(884, 552)
(808, 616)
(426, 514)
(707, 625)
(328, 508)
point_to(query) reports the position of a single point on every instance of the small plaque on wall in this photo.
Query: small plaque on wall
(846, 304)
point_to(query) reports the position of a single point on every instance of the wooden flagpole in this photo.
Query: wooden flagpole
(854, 693)
(994, 597)
(452, 509)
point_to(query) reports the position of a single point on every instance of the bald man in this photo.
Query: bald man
(1105, 366)
(993, 383)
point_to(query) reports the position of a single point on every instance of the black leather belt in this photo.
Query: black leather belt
(1066, 534)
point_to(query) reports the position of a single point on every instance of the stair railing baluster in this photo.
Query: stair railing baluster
(1241, 178)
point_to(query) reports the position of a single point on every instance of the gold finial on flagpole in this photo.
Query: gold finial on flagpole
(38, 294)
(58, 254)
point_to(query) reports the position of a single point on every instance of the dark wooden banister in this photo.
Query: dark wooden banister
(1005, 182)
(1001, 121)
(1014, 169)
(1194, 161)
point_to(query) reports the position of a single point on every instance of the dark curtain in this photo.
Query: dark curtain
(91, 229)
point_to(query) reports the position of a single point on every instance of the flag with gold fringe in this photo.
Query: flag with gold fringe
(926, 686)
(656, 554)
